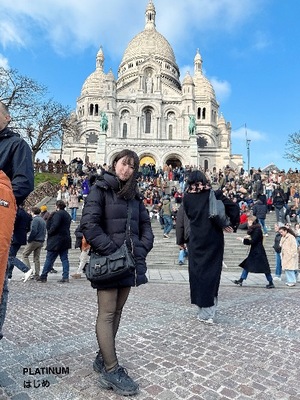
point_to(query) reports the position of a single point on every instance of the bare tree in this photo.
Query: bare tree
(292, 147)
(39, 120)
(46, 130)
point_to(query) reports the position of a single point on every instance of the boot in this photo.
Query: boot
(238, 282)
(98, 364)
(270, 285)
(119, 381)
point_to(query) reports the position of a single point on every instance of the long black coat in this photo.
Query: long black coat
(103, 224)
(257, 260)
(58, 228)
(206, 246)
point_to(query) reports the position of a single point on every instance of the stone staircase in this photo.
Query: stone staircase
(165, 251)
(164, 254)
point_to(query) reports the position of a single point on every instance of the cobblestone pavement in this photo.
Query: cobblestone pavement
(252, 352)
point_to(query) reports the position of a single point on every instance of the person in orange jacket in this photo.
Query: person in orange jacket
(16, 182)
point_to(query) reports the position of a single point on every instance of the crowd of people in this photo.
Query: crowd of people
(128, 195)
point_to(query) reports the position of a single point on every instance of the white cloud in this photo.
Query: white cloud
(4, 62)
(244, 133)
(73, 25)
(10, 33)
(222, 89)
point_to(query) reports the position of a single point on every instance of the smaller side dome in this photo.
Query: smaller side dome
(188, 80)
(110, 75)
(95, 80)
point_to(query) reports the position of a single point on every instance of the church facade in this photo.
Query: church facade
(149, 110)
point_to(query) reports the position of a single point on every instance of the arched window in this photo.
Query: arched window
(198, 112)
(170, 132)
(205, 165)
(203, 112)
(91, 109)
(147, 121)
(124, 130)
(96, 109)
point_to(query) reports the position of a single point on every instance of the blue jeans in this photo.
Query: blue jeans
(168, 224)
(73, 213)
(278, 267)
(3, 305)
(290, 276)
(280, 214)
(263, 225)
(182, 255)
(13, 261)
(50, 259)
(245, 274)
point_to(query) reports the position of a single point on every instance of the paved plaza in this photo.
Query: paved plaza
(251, 352)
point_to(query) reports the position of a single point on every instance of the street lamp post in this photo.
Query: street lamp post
(248, 154)
(86, 149)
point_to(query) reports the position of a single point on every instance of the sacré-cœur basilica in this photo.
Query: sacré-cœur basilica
(149, 110)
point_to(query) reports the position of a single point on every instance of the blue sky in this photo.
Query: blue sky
(250, 52)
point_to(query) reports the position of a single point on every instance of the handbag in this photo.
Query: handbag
(217, 212)
(114, 266)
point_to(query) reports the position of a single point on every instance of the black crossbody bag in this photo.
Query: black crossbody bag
(114, 266)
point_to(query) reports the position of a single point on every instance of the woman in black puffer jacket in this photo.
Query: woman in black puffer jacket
(103, 224)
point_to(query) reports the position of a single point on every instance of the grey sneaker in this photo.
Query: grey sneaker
(119, 381)
(98, 364)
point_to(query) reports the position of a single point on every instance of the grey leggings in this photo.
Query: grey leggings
(110, 306)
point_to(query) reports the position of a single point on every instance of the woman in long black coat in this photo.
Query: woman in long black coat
(206, 244)
(257, 260)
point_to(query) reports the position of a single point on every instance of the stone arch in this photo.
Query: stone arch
(147, 158)
(174, 159)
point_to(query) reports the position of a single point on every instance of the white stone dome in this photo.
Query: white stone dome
(95, 80)
(203, 87)
(149, 42)
(188, 80)
(93, 83)
(152, 47)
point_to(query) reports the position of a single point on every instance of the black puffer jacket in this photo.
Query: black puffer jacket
(103, 224)
(16, 162)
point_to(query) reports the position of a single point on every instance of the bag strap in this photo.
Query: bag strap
(127, 235)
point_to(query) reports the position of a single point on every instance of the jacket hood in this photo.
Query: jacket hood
(108, 180)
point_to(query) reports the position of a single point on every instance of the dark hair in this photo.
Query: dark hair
(129, 188)
(286, 229)
(197, 177)
(60, 204)
(36, 210)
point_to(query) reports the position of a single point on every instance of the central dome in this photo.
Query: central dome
(149, 42)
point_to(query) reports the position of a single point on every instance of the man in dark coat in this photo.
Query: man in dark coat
(58, 242)
(16, 182)
(206, 244)
(260, 212)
